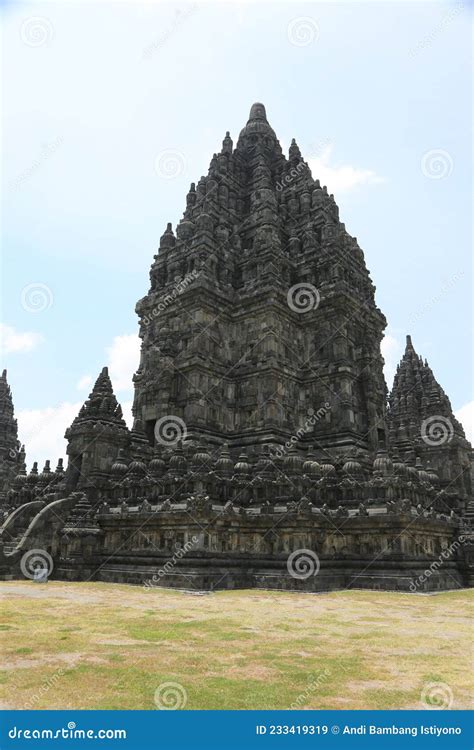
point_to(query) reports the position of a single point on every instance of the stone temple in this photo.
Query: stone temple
(266, 450)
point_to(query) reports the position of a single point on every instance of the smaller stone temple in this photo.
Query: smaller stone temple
(12, 454)
(266, 450)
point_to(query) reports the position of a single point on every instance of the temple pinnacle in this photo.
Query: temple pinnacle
(257, 112)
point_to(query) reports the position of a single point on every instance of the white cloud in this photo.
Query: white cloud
(84, 382)
(342, 178)
(123, 357)
(42, 431)
(12, 341)
(392, 353)
(466, 416)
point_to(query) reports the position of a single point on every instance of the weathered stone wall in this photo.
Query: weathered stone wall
(217, 550)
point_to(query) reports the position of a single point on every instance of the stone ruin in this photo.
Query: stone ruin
(265, 449)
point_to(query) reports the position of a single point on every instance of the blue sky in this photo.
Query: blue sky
(98, 96)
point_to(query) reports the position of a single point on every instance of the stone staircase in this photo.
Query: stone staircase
(468, 520)
(12, 543)
(469, 512)
(11, 537)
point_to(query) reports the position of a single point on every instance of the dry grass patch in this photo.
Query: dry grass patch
(96, 645)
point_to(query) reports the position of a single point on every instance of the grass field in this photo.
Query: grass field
(93, 645)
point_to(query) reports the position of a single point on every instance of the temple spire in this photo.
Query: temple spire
(257, 112)
(294, 152)
(102, 404)
(96, 434)
(421, 419)
(167, 239)
(227, 144)
(255, 225)
(11, 458)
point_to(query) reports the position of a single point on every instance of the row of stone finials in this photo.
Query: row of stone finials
(291, 463)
